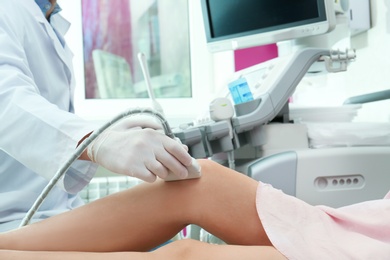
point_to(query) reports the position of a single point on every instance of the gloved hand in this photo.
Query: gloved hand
(138, 120)
(136, 146)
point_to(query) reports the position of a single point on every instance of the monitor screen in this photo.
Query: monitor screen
(236, 24)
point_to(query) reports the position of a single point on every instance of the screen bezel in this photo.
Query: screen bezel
(304, 28)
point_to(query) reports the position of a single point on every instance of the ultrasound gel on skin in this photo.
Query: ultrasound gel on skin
(240, 91)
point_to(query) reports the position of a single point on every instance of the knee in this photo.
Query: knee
(206, 163)
(210, 168)
(213, 171)
(211, 174)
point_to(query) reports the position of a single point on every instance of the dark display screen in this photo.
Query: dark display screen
(230, 18)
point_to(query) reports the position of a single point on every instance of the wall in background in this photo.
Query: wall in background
(368, 73)
(251, 56)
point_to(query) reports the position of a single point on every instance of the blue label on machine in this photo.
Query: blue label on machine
(240, 91)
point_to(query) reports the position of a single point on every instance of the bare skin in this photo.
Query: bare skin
(50, 11)
(134, 221)
(183, 249)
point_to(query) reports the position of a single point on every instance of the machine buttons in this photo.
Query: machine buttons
(339, 182)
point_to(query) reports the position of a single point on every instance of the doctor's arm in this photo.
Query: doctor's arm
(37, 128)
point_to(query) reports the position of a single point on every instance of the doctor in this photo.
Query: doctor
(39, 130)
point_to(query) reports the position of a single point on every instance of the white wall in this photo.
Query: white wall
(370, 71)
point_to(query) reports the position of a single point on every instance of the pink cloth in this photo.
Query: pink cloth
(302, 231)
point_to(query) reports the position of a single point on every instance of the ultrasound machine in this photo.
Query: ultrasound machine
(257, 135)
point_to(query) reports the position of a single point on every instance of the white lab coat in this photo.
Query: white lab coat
(37, 132)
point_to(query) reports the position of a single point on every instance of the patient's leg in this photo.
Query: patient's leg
(178, 250)
(222, 202)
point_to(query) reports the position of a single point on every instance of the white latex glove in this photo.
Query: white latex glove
(143, 121)
(138, 120)
(135, 147)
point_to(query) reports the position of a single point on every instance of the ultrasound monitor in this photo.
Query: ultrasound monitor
(238, 24)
